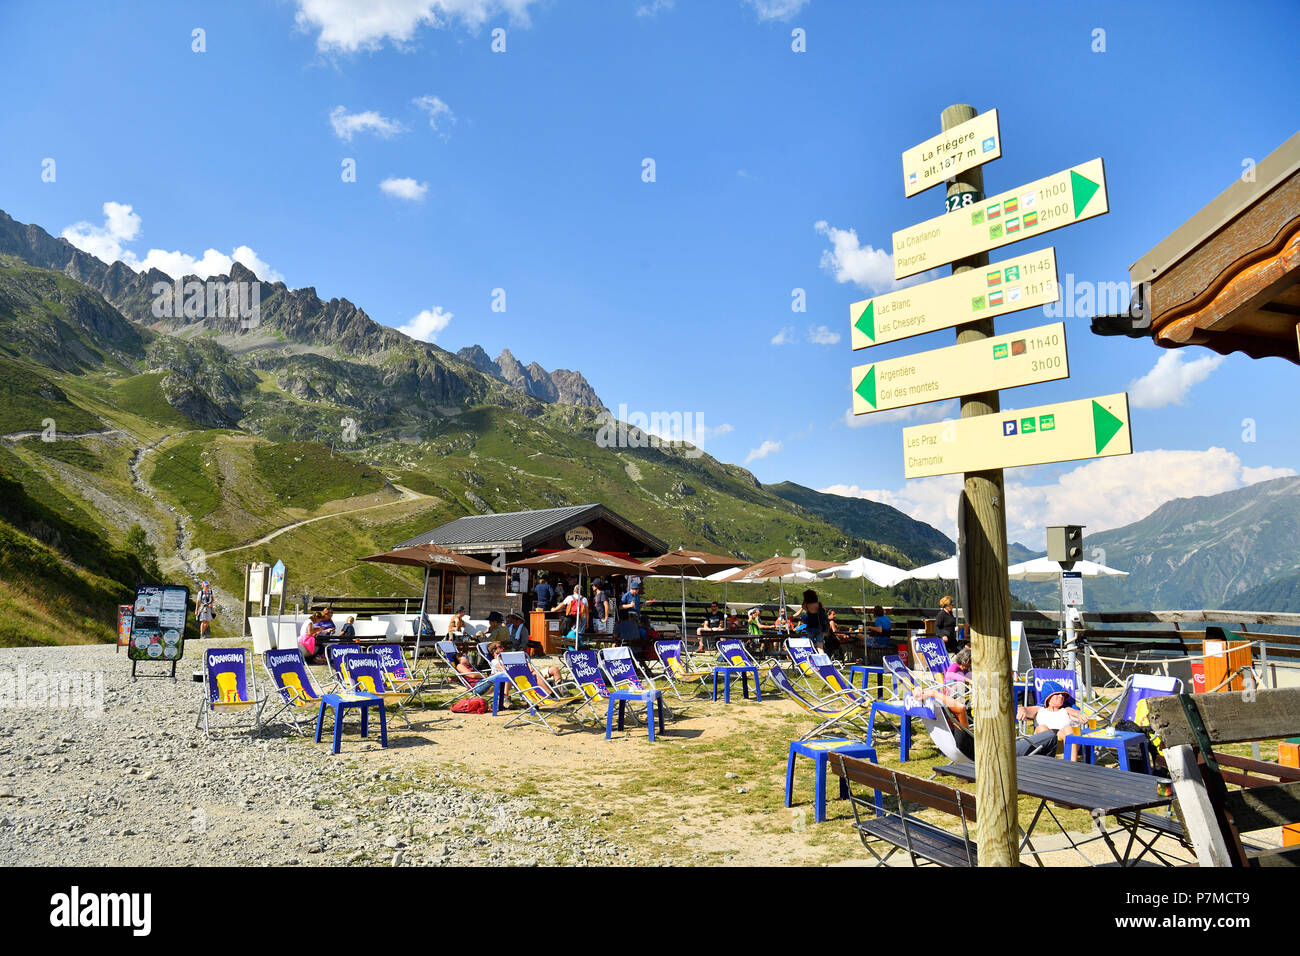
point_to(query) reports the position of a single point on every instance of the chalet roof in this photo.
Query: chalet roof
(521, 530)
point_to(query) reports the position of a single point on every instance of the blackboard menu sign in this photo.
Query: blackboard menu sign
(158, 625)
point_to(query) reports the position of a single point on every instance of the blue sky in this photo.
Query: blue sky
(523, 170)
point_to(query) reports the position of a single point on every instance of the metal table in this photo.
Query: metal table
(1102, 791)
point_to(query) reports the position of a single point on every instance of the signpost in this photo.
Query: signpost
(940, 158)
(1009, 286)
(276, 586)
(1004, 361)
(1067, 197)
(1041, 435)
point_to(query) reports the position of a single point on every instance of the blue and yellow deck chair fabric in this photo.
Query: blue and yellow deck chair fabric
(336, 656)
(540, 699)
(836, 682)
(365, 675)
(229, 687)
(677, 666)
(292, 681)
(833, 714)
(399, 675)
(448, 653)
(734, 653)
(933, 655)
(624, 674)
(584, 669)
(800, 651)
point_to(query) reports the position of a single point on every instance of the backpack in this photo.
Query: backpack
(470, 705)
(308, 645)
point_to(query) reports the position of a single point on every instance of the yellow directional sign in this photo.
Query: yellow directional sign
(1019, 283)
(1063, 431)
(942, 157)
(1067, 197)
(1003, 361)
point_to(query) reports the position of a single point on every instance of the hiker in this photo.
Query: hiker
(205, 607)
(575, 606)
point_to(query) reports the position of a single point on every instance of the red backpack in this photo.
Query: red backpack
(470, 705)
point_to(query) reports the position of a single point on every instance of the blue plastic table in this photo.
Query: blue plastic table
(654, 703)
(866, 670)
(905, 725)
(728, 671)
(498, 682)
(343, 702)
(1119, 739)
(820, 751)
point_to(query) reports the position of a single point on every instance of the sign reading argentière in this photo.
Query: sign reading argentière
(1020, 283)
(942, 157)
(1063, 431)
(1003, 361)
(1058, 200)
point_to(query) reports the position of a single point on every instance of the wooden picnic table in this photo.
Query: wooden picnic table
(1102, 791)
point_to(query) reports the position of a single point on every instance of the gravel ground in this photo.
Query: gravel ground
(136, 784)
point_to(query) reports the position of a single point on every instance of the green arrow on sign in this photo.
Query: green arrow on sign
(1105, 426)
(1082, 189)
(867, 387)
(866, 323)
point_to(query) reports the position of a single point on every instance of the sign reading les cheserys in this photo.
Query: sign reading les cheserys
(1066, 197)
(1009, 286)
(1062, 431)
(1003, 361)
(953, 151)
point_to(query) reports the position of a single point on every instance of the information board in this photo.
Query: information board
(158, 625)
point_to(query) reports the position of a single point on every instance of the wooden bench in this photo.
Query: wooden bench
(897, 827)
(1189, 726)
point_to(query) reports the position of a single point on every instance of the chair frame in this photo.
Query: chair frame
(209, 707)
(291, 700)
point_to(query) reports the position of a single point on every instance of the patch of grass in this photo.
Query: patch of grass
(143, 396)
(69, 451)
(308, 474)
(28, 399)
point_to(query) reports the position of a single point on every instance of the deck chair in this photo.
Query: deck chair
(365, 674)
(448, 652)
(289, 676)
(584, 669)
(800, 651)
(539, 697)
(825, 671)
(398, 676)
(735, 653)
(229, 687)
(483, 650)
(832, 714)
(335, 656)
(677, 666)
(934, 655)
(623, 672)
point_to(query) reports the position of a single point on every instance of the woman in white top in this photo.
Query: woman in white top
(1055, 713)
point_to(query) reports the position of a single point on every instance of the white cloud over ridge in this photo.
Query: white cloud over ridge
(347, 26)
(1170, 379)
(763, 450)
(1102, 494)
(426, 326)
(405, 188)
(346, 125)
(107, 243)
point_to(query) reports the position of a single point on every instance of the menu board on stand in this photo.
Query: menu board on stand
(158, 626)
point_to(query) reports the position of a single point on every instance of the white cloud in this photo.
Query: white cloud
(433, 107)
(869, 268)
(121, 225)
(777, 9)
(426, 326)
(911, 414)
(346, 125)
(762, 451)
(1101, 494)
(1169, 381)
(704, 433)
(654, 8)
(821, 335)
(405, 188)
(785, 336)
(105, 242)
(346, 26)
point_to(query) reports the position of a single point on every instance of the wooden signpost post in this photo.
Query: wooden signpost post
(984, 440)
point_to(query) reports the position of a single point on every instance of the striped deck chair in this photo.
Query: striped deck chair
(832, 714)
(335, 656)
(365, 675)
(584, 668)
(538, 696)
(229, 687)
(289, 675)
(800, 651)
(398, 675)
(624, 673)
(677, 666)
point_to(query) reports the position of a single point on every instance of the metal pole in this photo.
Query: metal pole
(419, 622)
(989, 608)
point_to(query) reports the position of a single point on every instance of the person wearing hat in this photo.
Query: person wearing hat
(496, 632)
(1056, 712)
(945, 623)
(517, 630)
(205, 606)
(631, 601)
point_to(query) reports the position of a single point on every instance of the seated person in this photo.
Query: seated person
(956, 688)
(553, 675)
(325, 627)
(496, 631)
(1055, 713)
(348, 632)
(881, 630)
(734, 621)
(714, 623)
(463, 666)
(456, 626)
(519, 636)
(312, 649)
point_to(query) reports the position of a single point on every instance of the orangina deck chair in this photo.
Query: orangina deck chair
(229, 687)
(365, 675)
(289, 676)
(678, 668)
(540, 699)
(734, 653)
(832, 714)
(398, 675)
(625, 674)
